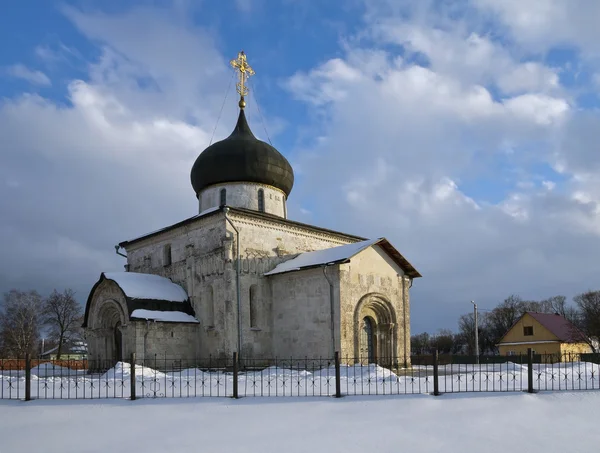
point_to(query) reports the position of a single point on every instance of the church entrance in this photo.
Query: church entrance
(367, 340)
(375, 331)
(106, 332)
(118, 343)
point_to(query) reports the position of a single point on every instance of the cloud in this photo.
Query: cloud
(21, 71)
(460, 145)
(110, 163)
(408, 128)
(244, 6)
(543, 24)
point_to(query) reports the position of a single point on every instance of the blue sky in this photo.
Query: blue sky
(463, 131)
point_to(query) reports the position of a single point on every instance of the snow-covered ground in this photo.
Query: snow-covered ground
(461, 423)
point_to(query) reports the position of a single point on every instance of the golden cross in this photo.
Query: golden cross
(244, 71)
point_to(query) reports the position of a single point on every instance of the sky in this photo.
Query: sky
(463, 131)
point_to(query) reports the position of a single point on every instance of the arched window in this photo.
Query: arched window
(167, 257)
(210, 308)
(223, 197)
(253, 307)
(261, 200)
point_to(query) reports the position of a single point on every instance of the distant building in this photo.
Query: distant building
(544, 333)
(71, 350)
(299, 291)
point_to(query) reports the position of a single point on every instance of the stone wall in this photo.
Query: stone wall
(291, 311)
(373, 285)
(301, 313)
(165, 341)
(244, 195)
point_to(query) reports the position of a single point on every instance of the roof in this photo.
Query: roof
(164, 316)
(342, 254)
(147, 286)
(256, 214)
(241, 157)
(145, 292)
(70, 347)
(558, 325)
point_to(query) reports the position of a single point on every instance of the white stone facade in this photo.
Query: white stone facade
(257, 197)
(284, 315)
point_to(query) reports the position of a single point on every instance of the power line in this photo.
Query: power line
(221, 111)
(260, 113)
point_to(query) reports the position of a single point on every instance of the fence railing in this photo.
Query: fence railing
(339, 376)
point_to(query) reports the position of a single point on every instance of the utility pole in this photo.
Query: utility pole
(476, 332)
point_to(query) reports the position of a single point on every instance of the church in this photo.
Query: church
(240, 276)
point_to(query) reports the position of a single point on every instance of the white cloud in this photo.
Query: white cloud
(114, 162)
(398, 147)
(244, 6)
(21, 71)
(542, 24)
(401, 136)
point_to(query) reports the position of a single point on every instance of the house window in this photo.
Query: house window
(223, 197)
(253, 307)
(528, 331)
(511, 352)
(167, 255)
(261, 200)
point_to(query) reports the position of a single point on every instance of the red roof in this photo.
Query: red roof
(559, 326)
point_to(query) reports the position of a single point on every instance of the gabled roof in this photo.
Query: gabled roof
(342, 254)
(248, 212)
(558, 325)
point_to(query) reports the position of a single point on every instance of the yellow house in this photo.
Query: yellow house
(544, 333)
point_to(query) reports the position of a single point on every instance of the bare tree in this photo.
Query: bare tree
(420, 344)
(443, 341)
(503, 317)
(62, 315)
(589, 321)
(20, 322)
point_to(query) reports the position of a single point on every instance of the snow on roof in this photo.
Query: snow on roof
(322, 257)
(164, 316)
(147, 286)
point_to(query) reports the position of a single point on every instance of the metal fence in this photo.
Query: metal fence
(161, 377)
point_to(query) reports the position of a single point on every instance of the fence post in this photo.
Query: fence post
(235, 375)
(132, 376)
(436, 386)
(338, 384)
(529, 370)
(28, 377)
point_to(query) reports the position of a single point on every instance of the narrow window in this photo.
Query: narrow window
(223, 197)
(261, 200)
(210, 308)
(167, 258)
(253, 307)
(528, 331)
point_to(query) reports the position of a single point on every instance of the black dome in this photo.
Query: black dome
(241, 157)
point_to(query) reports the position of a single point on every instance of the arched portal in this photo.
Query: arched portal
(118, 343)
(375, 330)
(108, 327)
(367, 340)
